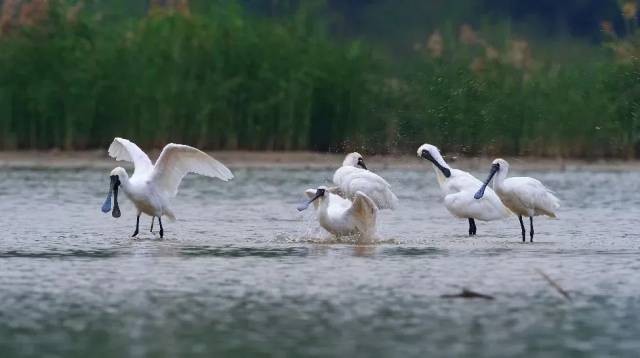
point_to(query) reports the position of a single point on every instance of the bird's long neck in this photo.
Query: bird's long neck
(499, 178)
(440, 176)
(442, 169)
(438, 158)
(324, 202)
(124, 181)
(323, 206)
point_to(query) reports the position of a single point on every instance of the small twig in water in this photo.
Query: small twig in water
(555, 285)
(468, 294)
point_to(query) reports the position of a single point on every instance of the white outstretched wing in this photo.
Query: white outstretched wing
(177, 160)
(125, 150)
(365, 211)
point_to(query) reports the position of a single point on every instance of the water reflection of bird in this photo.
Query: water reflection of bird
(459, 188)
(523, 195)
(343, 217)
(151, 186)
(354, 177)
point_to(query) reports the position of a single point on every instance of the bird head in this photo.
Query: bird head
(354, 160)
(500, 164)
(120, 172)
(432, 154)
(117, 176)
(497, 166)
(319, 194)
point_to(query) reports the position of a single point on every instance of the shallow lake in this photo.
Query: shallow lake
(242, 273)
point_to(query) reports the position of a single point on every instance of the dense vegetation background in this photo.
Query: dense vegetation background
(543, 77)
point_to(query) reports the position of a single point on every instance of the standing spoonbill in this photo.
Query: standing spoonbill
(152, 186)
(522, 195)
(353, 176)
(458, 188)
(340, 216)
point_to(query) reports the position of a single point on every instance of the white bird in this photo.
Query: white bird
(354, 177)
(522, 195)
(459, 187)
(152, 186)
(342, 217)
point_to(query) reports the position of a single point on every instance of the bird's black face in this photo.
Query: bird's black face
(319, 193)
(361, 163)
(494, 169)
(113, 190)
(425, 154)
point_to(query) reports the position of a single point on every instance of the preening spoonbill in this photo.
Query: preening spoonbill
(340, 216)
(152, 186)
(459, 187)
(354, 177)
(522, 195)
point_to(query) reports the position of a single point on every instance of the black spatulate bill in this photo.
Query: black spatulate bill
(113, 192)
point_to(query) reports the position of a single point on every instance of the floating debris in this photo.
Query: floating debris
(469, 294)
(555, 285)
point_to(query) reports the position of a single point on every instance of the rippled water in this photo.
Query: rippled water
(242, 273)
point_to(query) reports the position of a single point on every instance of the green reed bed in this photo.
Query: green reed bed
(583, 110)
(221, 78)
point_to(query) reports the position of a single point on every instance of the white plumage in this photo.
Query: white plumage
(524, 196)
(353, 177)
(459, 187)
(177, 160)
(124, 150)
(343, 217)
(151, 186)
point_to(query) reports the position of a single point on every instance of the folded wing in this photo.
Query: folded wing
(177, 160)
(376, 188)
(370, 184)
(125, 150)
(535, 195)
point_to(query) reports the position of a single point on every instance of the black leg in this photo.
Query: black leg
(135, 233)
(531, 231)
(522, 227)
(472, 227)
(153, 218)
(161, 229)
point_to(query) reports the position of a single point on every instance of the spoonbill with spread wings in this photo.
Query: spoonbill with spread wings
(152, 186)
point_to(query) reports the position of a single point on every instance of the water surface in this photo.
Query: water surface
(242, 273)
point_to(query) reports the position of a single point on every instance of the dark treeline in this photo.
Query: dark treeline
(548, 17)
(224, 76)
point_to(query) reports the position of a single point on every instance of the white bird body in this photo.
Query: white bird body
(353, 177)
(524, 196)
(458, 191)
(146, 198)
(343, 217)
(151, 187)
